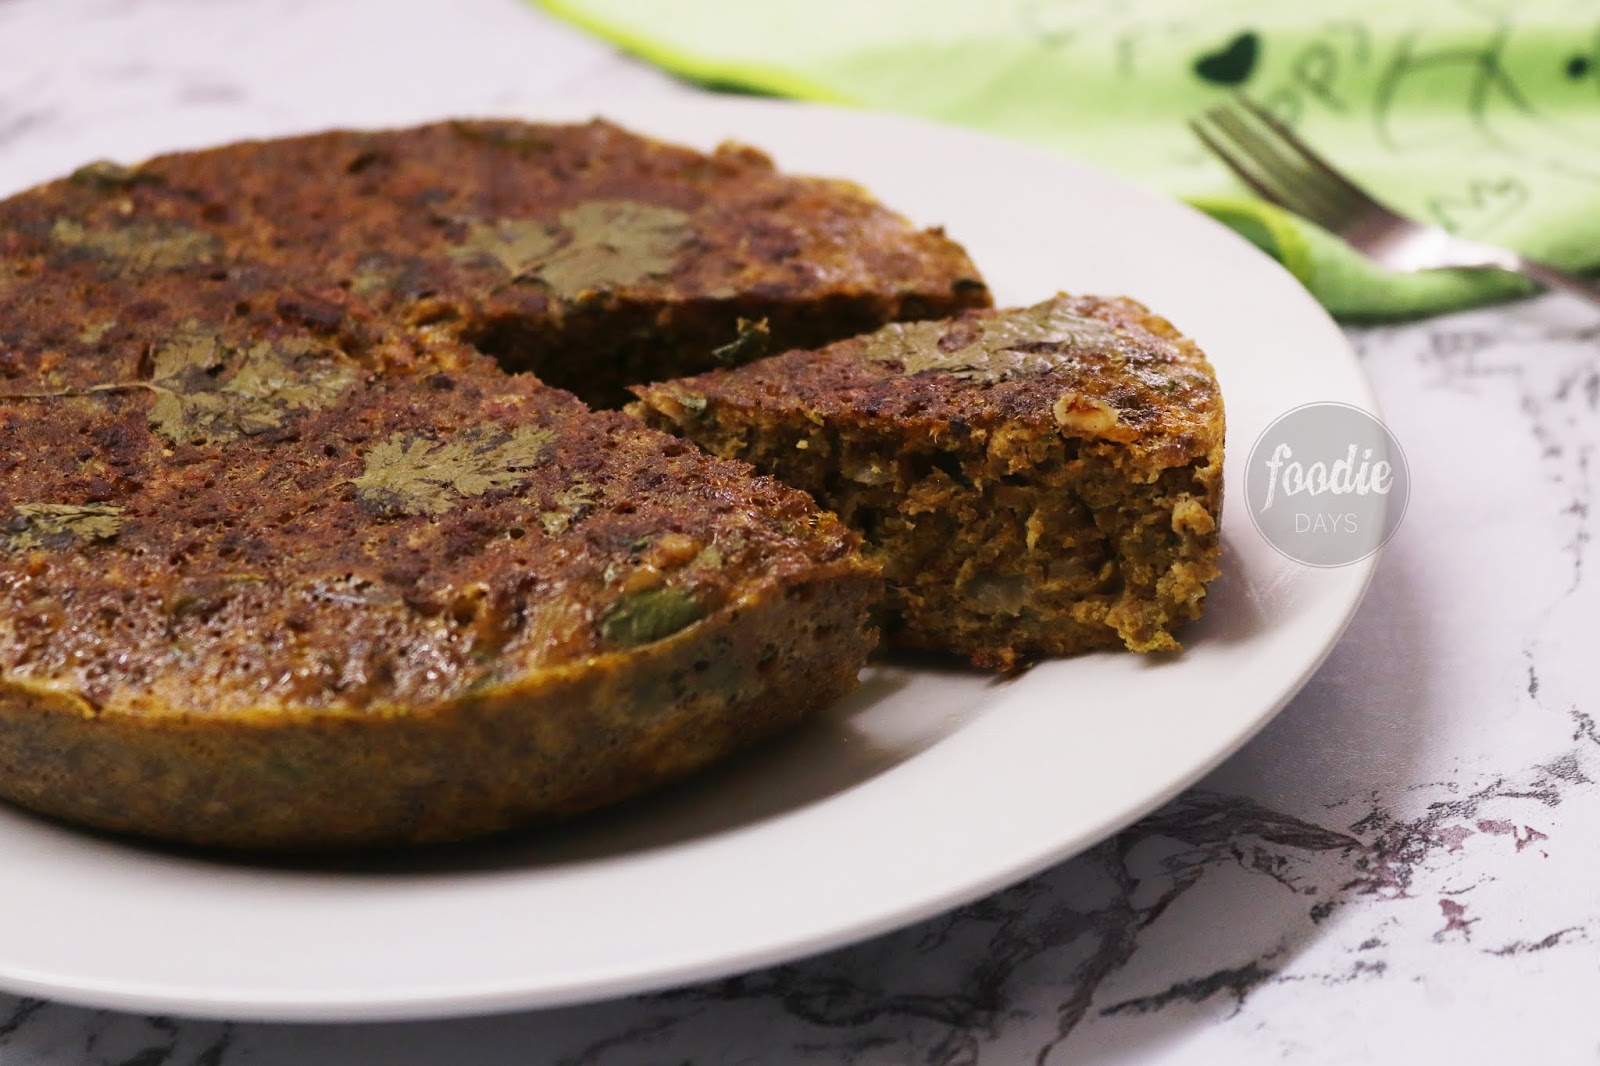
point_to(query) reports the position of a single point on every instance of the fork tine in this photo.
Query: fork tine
(1296, 188)
(1235, 163)
(1270, 158)
(1245, 167)
(1307, 156)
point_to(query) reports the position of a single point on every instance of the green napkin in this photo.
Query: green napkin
(1481, 115)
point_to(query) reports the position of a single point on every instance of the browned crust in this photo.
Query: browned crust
(1158, 383)
(349, 598)
(538, 747)
(392, 216)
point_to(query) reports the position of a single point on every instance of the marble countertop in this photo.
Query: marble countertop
(1399, 869)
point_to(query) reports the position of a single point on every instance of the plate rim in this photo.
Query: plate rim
(494, 996)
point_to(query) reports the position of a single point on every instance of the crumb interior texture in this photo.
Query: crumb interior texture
(286, 562)
(1036, 481)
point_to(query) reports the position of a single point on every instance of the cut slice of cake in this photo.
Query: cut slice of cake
(1035, 481)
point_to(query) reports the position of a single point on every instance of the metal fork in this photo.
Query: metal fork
(1281, 168)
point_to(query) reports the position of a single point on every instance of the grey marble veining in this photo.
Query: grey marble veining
(1399, 869)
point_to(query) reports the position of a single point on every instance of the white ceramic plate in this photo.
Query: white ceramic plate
(927, 789)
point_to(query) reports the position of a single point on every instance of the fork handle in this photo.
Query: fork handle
(1555, 278)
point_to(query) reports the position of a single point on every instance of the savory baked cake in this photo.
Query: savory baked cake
(286, 564)
(266, 583)
(592, 256)
(1035, 481)
(289, 559)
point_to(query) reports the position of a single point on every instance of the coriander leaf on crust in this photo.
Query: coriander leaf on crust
(37, 524)
(199, 402)
(412, 473)
(1034, 340)
(269, 381)
(594, 246)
